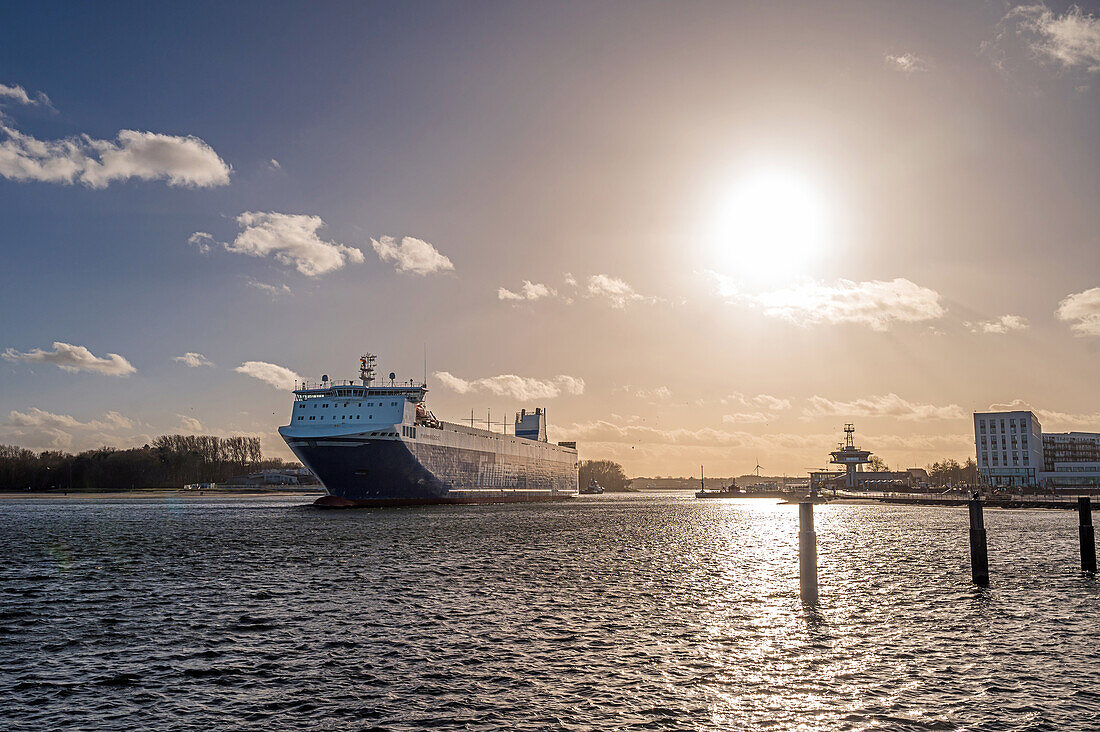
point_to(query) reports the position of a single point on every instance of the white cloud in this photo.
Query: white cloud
(192, 359)
(658, 393)
(35, 417)
(517, 387)
(616, 291)
(202, 241)
(746, 418)
(1051, 418)
(876, 303)
(19, 95)
(1082, 311)
(570, 280)
(190, 424)
(998, 326)
(180, 160)
(293, 241)
(529, 291)
(412, 255)
(887, 405)
(1072, 39)
(273, 290)
(278, 376)
(906, 62)
(770, 402)
(273, 164)
(74, 358)
(766, 401)
(41, 429)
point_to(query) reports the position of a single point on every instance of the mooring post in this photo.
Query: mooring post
(979, 557)
(807, 554)
(1088, 536)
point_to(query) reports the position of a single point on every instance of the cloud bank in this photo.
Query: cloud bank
(41, 429)
(521, 388)
(876, 303)
(292, 239)
(74, 358)
(888, 405)
(411, 255)
(179, 160)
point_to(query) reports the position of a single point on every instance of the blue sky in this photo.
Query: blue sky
(946, 156)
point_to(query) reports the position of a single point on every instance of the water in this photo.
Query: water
(610, 612)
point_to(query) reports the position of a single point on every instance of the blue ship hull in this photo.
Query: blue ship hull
(363, 471)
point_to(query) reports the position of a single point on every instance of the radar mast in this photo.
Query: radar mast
(366, 368)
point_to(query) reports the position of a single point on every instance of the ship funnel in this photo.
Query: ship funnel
(531, 426)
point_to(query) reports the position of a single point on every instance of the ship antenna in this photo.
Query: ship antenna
(425, 382)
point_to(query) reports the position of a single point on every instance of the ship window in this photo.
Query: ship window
(299, 416)
(313, 418)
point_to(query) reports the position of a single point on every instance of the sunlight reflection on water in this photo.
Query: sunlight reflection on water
(648, 612)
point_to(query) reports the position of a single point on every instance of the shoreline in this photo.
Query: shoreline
(157, 493)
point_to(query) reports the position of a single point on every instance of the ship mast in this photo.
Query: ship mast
(366, 368)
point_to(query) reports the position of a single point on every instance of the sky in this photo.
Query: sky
(696, 233)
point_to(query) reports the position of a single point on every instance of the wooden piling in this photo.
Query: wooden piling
(1088, 536)
(979, 557)
(807, 554)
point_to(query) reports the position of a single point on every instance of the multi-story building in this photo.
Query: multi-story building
(1009, 448)
(1071, 460)
(1013, 452)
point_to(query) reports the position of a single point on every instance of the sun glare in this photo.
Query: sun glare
(770, 225)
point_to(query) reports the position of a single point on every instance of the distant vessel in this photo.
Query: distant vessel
(592, 489)
(730, 491)
(379, 445)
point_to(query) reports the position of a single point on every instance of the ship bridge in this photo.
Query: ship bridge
(409, 390)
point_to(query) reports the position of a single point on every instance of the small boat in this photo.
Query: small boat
(730, 491)
(592, 489)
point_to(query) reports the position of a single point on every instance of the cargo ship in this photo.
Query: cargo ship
(378, 445)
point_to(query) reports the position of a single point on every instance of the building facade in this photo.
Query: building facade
(1071, 460)
(1009, 447)
(1013, 452)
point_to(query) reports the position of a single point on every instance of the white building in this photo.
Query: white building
(1009, 448)
(1012, 451)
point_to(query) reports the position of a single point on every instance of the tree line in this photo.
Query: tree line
(171, 461)
(607, 473)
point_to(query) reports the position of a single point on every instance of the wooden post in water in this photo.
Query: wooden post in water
(807, 554)
(979, 557)
(1088, 535)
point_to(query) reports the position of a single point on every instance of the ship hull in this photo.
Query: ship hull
(359, 471)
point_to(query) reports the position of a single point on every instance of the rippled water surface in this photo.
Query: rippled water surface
(609, 612)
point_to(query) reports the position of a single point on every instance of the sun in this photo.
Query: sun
(771, 225)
